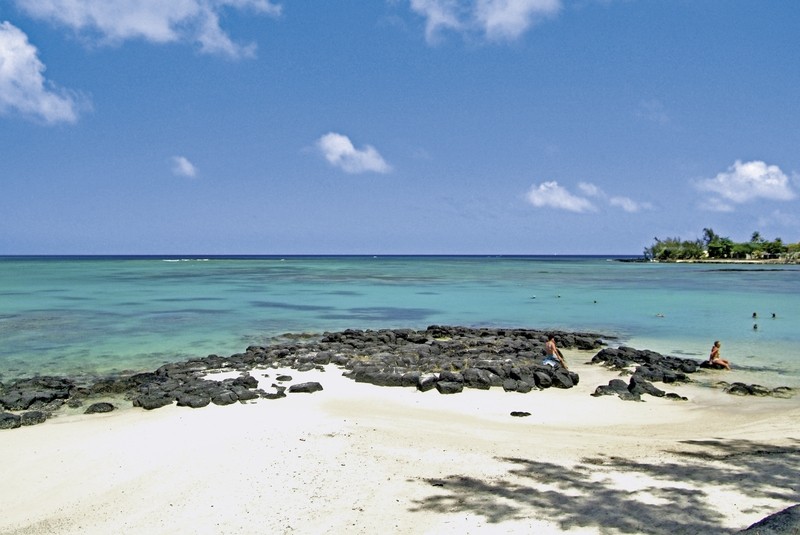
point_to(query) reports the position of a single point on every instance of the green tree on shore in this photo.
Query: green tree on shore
(714, 246)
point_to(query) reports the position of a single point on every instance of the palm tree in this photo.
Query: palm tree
(709, 236)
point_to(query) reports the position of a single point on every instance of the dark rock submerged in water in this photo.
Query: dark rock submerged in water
(447, 359)
(743, 389)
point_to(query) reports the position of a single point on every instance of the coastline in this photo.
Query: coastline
(360, 458)
(775, 261)
(95, 319)
(778, 261)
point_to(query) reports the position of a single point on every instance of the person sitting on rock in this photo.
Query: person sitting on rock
(553, 356)
(715, 357)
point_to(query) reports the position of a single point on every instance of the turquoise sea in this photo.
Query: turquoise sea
(97, 315)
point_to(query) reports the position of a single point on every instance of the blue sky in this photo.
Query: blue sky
(395, 126)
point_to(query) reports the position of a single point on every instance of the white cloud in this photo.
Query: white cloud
(181, 166)
(590, 189)
(340, 152)
(508, 19)
(438, 14)
(626, 203)
(629, 205)
(156, 21)
(550, 194)
(23, 87)
(496, 19)
(745, 182)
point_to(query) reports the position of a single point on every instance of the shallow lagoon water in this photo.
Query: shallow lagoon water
(72, 315)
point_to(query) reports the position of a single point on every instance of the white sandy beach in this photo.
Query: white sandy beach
(356, 458)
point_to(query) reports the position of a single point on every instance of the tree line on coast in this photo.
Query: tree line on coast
(715, 247)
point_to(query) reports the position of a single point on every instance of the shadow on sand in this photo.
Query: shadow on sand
(615, 495)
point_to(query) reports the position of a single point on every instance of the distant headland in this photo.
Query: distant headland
(713, 248)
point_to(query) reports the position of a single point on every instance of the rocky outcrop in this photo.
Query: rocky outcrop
(633, 390)
(649, 366)
(36, 393)
(187, 387)
(472, 358)
(448, 359)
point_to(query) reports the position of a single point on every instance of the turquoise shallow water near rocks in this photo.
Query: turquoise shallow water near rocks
(75, 315)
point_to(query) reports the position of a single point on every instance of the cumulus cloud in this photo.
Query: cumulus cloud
(508, 19)
(438, 14)
(555, 196)
(499, 20)
(590, 189)
(628, 204)
(550, 194)
(181, 166)
(23, 87)
(156, 21)
(746, 182)
(340, 152)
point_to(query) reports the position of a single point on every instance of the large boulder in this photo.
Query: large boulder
(224, 397)
(524, 387)
(33, 417)
(152, 401)
(410, 378)
(246, 380)
(542, 379)
(451, 377)
(562, 379)
(613, 388)
(639, 386)
(37, 391)
(99, 407)
(9, 421)
(195, 400)
(427, 382)
(307, 388)
(477, 378)
(449, 387)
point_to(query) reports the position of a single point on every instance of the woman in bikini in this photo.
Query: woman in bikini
(714, 358)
